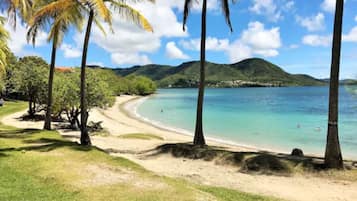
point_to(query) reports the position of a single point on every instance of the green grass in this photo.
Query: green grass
(41, 165)
(11, 107)
(141, 136)
(233, 195)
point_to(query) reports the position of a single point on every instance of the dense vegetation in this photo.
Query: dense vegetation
(249, 72)
(26, 79)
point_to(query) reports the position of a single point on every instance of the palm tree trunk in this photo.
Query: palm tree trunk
(47, 125)
(333, 156)
(85, 140)
(199, 138)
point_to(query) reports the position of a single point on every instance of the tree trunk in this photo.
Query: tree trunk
(30, 108)
(85, 140)
(333, 156)
(199, 138)
(47, 125)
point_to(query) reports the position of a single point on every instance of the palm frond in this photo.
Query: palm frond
(186, 11)
(60, 15)
(100, 8)
(131, 15)
(100, 26)
(226, 13)
(21, 7)
(4, 50)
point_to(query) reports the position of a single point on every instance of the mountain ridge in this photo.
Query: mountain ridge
(253, 72)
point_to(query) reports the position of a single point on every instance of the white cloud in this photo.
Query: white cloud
(288, 6)
(351, 36)
(130, 43)
(356, 18)
(317, 40)
(312, 23)
(293, 46)
(256, 40)
(260, 38)
(95, 63)
(137, 59)
(173, 52)
(239, 51)
(18, 40)
(328, 5)
(197, 5)
(267, 8)
(212, 44)
(70, 52)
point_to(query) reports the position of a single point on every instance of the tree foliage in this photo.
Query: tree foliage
(140, 85)
(29, 79)
(66, 94)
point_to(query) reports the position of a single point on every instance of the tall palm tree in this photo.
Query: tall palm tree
(199, 138)
(98, 7)
(333, 156)
(4, 36)
(61, 14)
(23, 8)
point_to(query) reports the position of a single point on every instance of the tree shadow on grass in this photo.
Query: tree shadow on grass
(48, 144)
(260, 162)
(29, 142)
(3, 155)
(18, 134)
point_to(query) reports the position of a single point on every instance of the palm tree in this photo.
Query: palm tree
(62, 14)
(4, 35)
(333, 156)
(14, 7)
(199, 136)
(99, 7)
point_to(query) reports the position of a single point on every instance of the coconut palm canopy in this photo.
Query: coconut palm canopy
(23, 8)
(225, 10)
(3, 45)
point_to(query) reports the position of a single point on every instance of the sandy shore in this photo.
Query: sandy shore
(118, 122)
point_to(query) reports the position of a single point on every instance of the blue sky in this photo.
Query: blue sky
(293, 34)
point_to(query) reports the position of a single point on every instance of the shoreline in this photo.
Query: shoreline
(302, 187)
(129, 108)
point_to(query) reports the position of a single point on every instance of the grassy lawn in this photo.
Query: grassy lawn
(41, 165)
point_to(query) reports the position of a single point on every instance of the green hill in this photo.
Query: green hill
(249, 72)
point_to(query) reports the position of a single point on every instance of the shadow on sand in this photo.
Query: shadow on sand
(261, 162)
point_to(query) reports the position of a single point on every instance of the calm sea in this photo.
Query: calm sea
(271, 118)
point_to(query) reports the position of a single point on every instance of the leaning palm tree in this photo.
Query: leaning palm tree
(99, 8)
(62, 14)
(4, 36)
(199, 136)
(333, 156)
(23, 8)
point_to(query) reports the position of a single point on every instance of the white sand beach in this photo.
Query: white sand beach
(119, 122)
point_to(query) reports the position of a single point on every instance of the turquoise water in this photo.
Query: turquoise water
(271, 118)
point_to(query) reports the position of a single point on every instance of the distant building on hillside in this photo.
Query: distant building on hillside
(64, 69)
